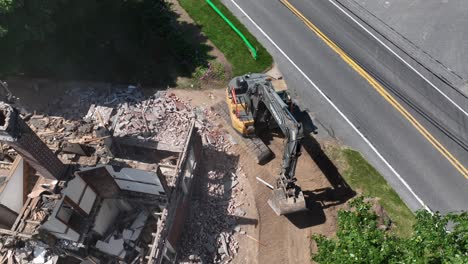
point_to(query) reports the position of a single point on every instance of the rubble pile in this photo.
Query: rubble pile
(74, 132)
(124, 112)
(163, 118)
(82, 97)
(23, 252)
(212, 136)
(53, 130)
(213, 226)
(125, 239)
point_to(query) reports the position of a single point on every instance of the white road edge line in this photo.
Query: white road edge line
(335, 107)
(400, 58)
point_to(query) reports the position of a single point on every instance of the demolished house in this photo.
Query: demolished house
(114, 187)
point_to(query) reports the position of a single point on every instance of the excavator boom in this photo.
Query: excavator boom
(263, 104)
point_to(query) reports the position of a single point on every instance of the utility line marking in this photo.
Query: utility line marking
(378, 87)
(327, 99)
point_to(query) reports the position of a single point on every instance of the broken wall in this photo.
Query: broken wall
(107, 215)
(100, 180)
(16, 133)
(7, 217)
(164, 247)
(12, 194)
(77, 203)
(183, 194)
(58, 228)
(81, 193)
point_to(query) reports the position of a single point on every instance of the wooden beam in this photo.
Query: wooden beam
(21, 214)
(28, 207)
(13, 233)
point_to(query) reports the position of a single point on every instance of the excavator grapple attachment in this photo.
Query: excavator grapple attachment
(283, 205)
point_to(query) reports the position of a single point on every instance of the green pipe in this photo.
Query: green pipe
(253, 51)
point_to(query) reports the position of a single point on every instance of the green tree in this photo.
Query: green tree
(359, 240)
(5, 7)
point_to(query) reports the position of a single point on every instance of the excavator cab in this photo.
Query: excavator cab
(241, 118)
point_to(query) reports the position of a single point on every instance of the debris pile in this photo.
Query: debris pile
(124, 113)
(82, 97)
(214, 218)
(162, 118)
(29, 251)
(119, 228)
(79, 134)
(212, 136)
(124, 241)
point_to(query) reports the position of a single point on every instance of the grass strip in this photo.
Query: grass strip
(225, 39)
(365, 179)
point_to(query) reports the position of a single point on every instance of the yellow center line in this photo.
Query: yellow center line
(381, 90)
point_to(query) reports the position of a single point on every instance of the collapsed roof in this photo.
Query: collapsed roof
(126, 167)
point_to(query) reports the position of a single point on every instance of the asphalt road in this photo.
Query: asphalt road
(347, 107)
(436, 26)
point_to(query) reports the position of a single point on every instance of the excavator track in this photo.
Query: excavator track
(256, 147)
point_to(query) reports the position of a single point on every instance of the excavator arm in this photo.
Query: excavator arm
(266, 104)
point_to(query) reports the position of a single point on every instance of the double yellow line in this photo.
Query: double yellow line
(381, 90)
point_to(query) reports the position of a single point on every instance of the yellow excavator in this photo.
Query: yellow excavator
(257, 102)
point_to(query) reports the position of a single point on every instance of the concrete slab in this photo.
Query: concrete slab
(114, 247)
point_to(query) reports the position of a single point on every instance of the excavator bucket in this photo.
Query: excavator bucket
(283, 205)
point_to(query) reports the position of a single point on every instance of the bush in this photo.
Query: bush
(359, 240)
(225, 39)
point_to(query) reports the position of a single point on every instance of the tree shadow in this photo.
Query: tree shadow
(106, 41)
(102, 44)
(72, 100)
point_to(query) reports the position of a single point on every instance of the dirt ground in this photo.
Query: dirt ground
(281, 239)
